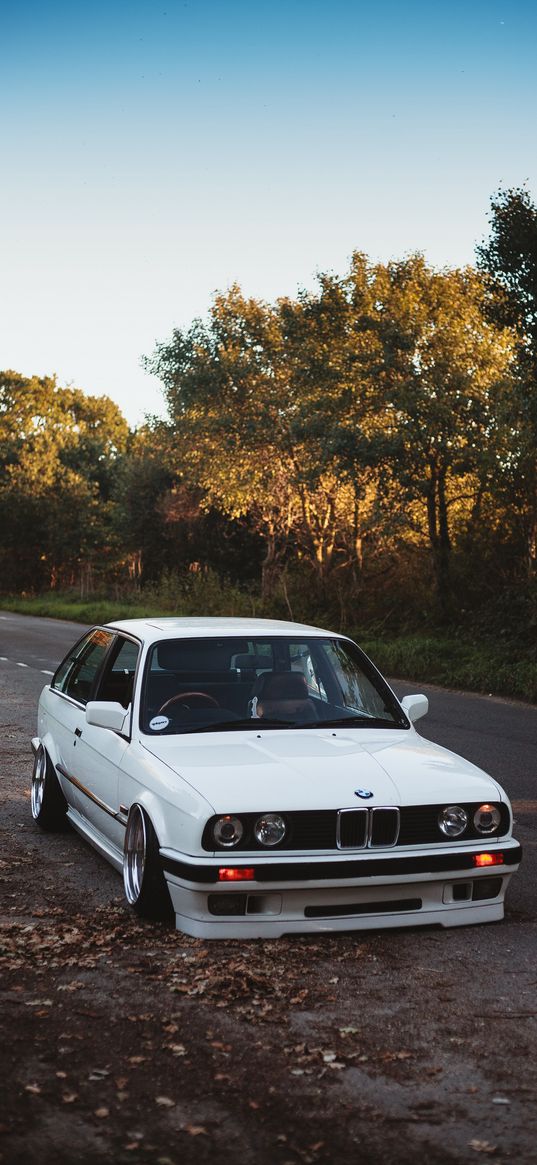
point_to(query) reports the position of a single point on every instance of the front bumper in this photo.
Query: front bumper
(327, 894)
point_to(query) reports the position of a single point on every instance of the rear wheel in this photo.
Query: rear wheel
(49, 806)
(145, 885)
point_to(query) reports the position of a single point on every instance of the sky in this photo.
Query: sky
(153, 153)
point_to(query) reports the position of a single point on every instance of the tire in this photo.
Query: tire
(144, 882)
(49, 807)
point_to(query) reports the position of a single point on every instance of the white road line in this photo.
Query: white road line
(44, 672)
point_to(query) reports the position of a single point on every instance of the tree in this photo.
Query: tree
(338, 419)
(448, 369)
(160, 523)
(59, 449)
(509, 258)
(253, 396)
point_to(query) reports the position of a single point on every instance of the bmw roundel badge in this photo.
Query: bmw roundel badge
(365, 794)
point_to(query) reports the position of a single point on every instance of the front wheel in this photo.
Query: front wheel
(49, 806)
(145, 885)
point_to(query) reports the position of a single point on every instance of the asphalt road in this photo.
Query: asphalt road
(402, 1046)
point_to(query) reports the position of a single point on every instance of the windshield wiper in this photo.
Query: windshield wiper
(363, 721)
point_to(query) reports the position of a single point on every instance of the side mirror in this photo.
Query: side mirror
(415, 707)
(106, 714)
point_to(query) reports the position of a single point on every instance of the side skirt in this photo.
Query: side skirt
(104, 847)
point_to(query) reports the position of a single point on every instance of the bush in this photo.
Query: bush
(500, 666)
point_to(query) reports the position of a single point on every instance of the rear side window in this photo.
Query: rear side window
(78, 672)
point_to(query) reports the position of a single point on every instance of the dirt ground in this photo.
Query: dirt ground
(128, 1042)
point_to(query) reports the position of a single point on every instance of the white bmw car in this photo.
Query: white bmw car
(253, 778)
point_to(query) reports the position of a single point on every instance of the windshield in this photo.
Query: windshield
(204, 685)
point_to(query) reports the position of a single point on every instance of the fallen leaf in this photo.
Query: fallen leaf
(482, 1146)
(164, 1101)
(195, 1130)
(102, 1112)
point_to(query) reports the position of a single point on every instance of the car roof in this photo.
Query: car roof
(194, 627)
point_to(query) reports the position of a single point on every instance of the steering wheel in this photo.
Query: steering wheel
(181, 698)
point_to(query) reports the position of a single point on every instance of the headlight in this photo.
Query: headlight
(227, 831)
(487, 819)
(269, 829)
(453, 820)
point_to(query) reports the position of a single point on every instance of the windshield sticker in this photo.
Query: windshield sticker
(158, 723)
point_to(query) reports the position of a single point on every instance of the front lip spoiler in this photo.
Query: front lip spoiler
(363, 868)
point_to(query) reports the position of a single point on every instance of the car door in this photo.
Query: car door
(100, 751)
(70, 690)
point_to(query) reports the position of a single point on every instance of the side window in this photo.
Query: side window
(118, 677)
(78, 672)
(357, 691)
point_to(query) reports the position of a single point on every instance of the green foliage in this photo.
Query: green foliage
(457, 663)
(59, 449)
(509, 256)
(200, 592)
(510, 260)
(357, 415)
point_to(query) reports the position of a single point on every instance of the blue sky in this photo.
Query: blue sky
(153, 153)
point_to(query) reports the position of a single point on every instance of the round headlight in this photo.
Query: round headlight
(227, 831)
(269, 829)
(487, 819)
(453, 820)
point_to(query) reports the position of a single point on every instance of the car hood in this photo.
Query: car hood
(320, 769)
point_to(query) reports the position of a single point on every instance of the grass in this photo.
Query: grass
(79, 610)
(456, 662)
(450, 660)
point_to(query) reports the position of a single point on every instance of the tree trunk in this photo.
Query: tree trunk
(437, 519)
(532, 533)
(269, 570)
